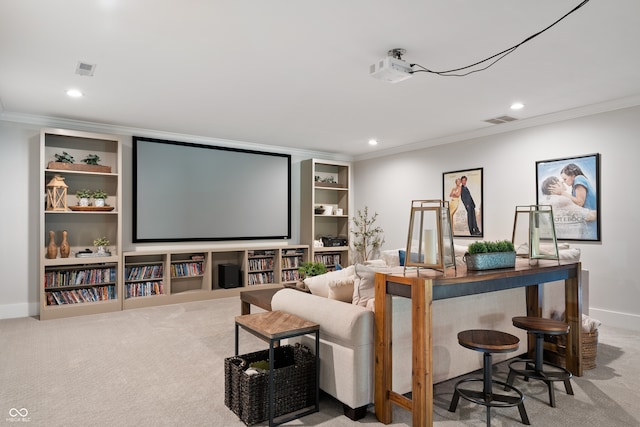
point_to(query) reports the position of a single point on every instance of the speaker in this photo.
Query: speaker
(229, 276)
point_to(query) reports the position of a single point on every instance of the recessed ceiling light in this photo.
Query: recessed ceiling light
(74, 93)
(373, 142)
(517, 106)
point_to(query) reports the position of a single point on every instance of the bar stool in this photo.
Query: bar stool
(488, 341)
(534, 368)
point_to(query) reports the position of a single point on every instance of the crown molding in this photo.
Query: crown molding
(589, 110)
(56, 122)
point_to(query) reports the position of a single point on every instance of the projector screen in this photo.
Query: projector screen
(195, 192)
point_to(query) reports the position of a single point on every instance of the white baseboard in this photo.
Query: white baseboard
(11, 311)
(616, 319)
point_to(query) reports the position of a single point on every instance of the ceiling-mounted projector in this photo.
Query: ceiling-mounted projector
(393, 68)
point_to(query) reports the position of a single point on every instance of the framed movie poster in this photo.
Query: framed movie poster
(572, 187)
(463, 190)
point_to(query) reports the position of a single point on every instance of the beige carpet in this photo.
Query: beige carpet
(163, 366)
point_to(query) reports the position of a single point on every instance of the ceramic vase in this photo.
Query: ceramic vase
(52, 248)
(65, 249)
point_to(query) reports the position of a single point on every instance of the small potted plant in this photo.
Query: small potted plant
(83, 196)
(101, 244)
(99, 197)
(490, 255)
(64, 158)
(310, 269)
(92, 159)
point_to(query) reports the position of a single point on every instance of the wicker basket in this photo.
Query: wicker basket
(589, 350)
(294, 383)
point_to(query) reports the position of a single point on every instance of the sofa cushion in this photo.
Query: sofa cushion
(319, 285)
(341, 289)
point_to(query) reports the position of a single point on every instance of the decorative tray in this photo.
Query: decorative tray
(91, 208)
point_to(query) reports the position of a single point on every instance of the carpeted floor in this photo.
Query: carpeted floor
(164, 366)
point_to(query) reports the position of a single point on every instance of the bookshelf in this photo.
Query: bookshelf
(325, 185)
(77, 283)
(153, 278)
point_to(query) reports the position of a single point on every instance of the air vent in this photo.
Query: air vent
(501, 119)
(85, 69)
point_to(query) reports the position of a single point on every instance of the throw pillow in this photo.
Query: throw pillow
(391, 257)
(341, 289)
(319, 285)
(364, 285)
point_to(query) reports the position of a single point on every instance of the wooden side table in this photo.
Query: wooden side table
(273, 326)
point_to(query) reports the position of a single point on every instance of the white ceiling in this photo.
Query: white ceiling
(294, 73)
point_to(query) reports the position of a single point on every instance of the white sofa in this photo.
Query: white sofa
(346, 346)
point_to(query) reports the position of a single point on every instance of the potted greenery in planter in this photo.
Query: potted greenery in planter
(490, 255)
(101, 244)
(99, 197)
(83, 196)
(65, 161)
(310, 269)
(64, 158)
(92, 159)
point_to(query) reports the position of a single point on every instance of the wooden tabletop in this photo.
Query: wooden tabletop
(276, 325)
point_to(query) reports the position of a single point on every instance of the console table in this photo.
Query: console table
(424, 286)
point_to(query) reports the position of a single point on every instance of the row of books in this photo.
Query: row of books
(93, 276)
(143, 272)
(186, 269)
(143, 289)
(260, 278)
(327, 259)
(261, 264)
(75, 296)
(261, 253)
(291, 262)
(290, 276)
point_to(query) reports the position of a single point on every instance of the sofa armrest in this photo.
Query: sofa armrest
(344, 322)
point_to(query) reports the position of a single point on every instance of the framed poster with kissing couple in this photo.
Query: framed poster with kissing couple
(571, 186)
(463, 190)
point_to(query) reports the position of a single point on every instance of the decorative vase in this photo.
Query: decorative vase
(99, 202)
(65, 249)
(101, 250)
(52, 248)
(84, 201)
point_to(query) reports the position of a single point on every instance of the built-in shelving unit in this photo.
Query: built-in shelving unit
(324, 209)
(167, 277)
(80, 283)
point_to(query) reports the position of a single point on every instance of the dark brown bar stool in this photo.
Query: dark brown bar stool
(535, 368)
(488, 341)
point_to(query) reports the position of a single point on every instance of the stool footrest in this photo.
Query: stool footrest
(490, 399)
(537, 373)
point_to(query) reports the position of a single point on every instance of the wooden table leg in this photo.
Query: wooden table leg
(573, 316)
(382, 351)
(245, 308)
(422, 358)
(534, 309)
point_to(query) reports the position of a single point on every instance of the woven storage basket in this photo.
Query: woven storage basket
(294, 383)
(589, 351)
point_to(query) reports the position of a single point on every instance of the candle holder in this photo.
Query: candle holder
(430, 239)
(533, 225)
